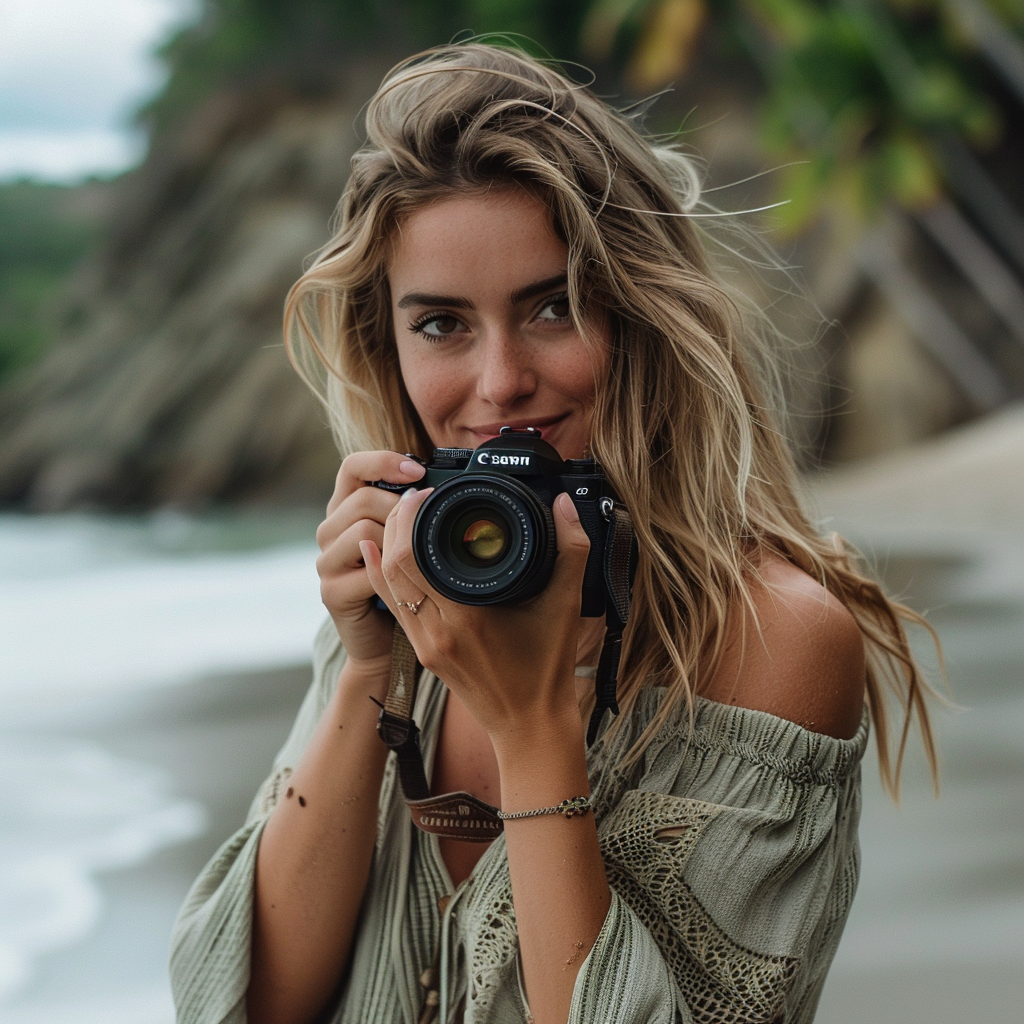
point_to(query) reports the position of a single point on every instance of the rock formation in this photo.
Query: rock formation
(169, 383)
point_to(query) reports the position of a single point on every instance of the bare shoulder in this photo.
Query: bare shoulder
(800, 656)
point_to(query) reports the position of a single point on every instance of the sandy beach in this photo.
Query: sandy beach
(937, 930)
(936, 933)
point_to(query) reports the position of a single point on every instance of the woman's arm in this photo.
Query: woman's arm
(513, 668)
(801, 660)
(559, 888)
(315, 852)
(314, 856)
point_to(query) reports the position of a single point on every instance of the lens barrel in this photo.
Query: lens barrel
(483, 539)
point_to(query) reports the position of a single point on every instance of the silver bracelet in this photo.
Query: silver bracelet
(573, 806)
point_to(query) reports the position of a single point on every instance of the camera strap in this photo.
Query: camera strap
(462, 815)
(620, 557)
(451, 815)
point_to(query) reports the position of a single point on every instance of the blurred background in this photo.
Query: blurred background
(165, 168)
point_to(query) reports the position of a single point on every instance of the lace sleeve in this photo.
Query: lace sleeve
(733, 863)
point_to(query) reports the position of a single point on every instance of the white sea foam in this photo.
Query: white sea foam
(69, 810)
(93, 607)
(89, 609)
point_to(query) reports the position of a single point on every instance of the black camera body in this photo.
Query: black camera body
(486, 535)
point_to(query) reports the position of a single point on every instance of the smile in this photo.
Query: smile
(541, 423)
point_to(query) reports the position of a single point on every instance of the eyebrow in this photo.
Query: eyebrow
(456, 302)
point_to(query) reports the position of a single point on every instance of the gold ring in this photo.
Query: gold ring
(414, 607)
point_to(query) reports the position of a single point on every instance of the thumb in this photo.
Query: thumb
(573, 543)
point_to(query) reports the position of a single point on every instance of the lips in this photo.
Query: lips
(541, 423)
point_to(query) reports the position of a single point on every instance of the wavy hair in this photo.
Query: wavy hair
(688, 370)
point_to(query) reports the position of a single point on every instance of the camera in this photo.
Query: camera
(486, 535)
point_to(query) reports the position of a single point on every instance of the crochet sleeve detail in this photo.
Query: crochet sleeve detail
(733, 861)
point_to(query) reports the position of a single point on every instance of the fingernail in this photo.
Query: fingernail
(409, 494)
(410, 468)
(568, 509)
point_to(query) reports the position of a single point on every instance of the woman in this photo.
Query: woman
(511, 252)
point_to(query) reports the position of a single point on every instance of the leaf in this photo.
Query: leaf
(801, 190)
(910, 172)
(666, 43)
(603, 24)
(793, 22)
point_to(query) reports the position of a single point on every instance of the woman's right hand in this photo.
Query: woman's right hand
(357, 512)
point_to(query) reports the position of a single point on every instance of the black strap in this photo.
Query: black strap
(620, 555)
(395, 725)
(452, 815)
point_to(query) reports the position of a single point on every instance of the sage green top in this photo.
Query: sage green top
(731, 851)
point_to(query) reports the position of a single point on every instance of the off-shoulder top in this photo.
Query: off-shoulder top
(730, 848)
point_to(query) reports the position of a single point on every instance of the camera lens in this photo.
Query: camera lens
(485, 539)
(472, 537)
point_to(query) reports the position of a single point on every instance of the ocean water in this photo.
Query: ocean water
(92, 606)
(70, 811)
(96, 610)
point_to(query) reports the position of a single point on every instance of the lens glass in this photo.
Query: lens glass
(476, 537)
(484, 541)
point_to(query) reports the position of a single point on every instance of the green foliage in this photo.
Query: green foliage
(303, 43)
(42, 237)
(862, 91)
(858, 91)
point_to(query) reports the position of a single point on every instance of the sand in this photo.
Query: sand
(937, 930)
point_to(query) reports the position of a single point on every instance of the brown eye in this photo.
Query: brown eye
(557, 309)
(445, 324)
(436, 326)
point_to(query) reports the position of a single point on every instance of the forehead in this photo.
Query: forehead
(500, 240)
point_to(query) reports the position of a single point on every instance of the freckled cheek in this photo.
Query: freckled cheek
(581, 382)
(437, 396)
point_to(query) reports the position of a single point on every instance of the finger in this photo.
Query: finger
(343, 580)
(399, 562)
(360, 468)
(374, 573)
(573, 547)
(364, 503)
(343, 555)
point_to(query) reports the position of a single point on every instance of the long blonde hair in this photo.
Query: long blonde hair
(686, 373)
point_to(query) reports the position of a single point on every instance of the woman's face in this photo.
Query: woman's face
(481, 315)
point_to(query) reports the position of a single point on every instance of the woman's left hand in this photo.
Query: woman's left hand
(511, 665)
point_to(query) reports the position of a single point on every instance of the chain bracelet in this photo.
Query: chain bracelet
(571, 807)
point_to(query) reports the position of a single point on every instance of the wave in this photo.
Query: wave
(69, 810)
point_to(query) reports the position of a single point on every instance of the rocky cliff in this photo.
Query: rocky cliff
(169, 383)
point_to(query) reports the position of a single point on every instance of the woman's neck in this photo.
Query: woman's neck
(589, 641)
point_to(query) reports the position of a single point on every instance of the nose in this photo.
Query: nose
(505, 369)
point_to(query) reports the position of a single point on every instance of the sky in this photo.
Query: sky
(71, 74)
